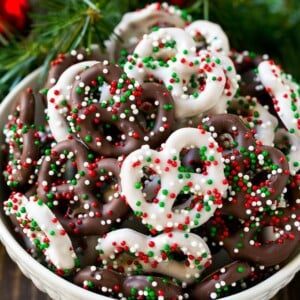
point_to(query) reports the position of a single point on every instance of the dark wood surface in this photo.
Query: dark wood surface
(15, 286)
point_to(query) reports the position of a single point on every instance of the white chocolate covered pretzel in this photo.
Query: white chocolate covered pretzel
(135, 24)
(196, 81)
(284, 92)
(58, 98)
(134, 251)
(231, 83)
(202, 191)
(210, 35)
(43, 229)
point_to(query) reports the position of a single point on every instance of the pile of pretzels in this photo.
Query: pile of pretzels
(166, 166)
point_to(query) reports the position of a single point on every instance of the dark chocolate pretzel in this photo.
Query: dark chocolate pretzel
(23, 141)
(269, 239)
(93, 78)
(246, 64)
(210, 286)
(245, 244)
(293, 191)
(119, 124)
(155, 99)
(98, 117)
(111, 283)
(246, 162)
(79, 202)
(230, 132)
(24, 108)
(245, 201)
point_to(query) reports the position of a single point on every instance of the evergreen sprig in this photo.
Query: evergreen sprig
(58, 26)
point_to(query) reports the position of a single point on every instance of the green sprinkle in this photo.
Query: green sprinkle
(91, 156)
(79, 90)
(240, 269)
(165, 192)
(209, 181)
(150, 254)
(138, 185)
(88, 138)
(239, 245)
(50, 196)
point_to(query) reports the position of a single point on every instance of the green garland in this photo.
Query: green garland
(263, 26)
(78, 24)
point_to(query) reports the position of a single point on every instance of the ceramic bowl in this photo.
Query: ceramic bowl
(57, 287)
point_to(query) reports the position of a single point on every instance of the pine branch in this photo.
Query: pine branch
(79, 23)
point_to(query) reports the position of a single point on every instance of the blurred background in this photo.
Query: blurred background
(33, 31)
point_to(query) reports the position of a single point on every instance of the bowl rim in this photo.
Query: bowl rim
(19, 253)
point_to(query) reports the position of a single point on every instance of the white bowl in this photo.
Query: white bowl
(58, 288)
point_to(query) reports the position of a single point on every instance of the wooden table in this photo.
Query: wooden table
(15, 286)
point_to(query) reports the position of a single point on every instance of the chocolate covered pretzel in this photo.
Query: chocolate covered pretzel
(246, 163)
(116, 284)
(23, 141)
(166, 176)
(212, 286)
(126, 116)
(79, 202)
